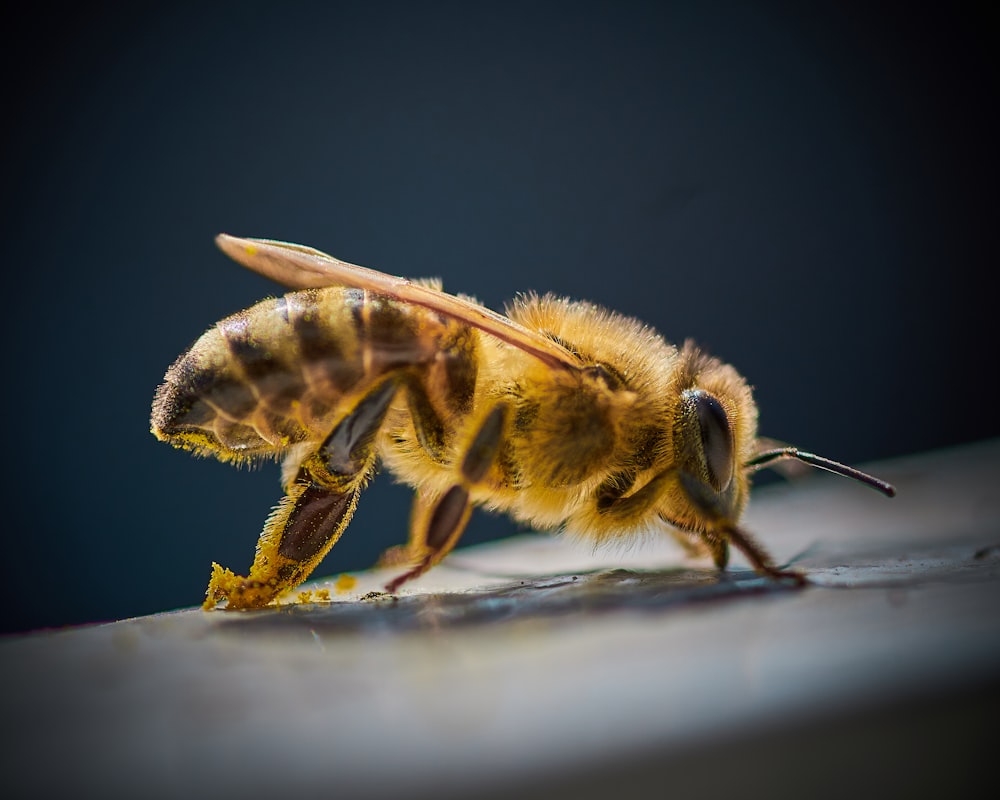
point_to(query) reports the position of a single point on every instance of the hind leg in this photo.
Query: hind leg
(319, 504)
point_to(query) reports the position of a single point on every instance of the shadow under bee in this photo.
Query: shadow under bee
(618, 590)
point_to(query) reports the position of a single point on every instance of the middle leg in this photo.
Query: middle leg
(436, 528)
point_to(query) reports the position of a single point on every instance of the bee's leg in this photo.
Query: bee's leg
(427, 423)
(718, 548)
(626, 510)
(722, 532)
(696, 546)
(432, 434)
(436, 528)
(756, 554)
(404, 555)
(635, 508)
(314, 513)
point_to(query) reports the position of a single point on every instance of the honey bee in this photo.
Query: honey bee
(561, 413)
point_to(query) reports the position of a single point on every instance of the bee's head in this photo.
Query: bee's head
(714, 451)
(707, 455)
(714, 429)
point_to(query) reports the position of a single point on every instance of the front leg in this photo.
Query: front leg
(314, 513)
(720, 531)
(716, 530)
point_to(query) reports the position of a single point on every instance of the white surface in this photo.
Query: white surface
(509, 684)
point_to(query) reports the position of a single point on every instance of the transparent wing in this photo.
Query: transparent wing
(300, 267)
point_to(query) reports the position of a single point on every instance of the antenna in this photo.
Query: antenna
(768, 457)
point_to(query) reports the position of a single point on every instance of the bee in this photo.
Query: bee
(561, 413)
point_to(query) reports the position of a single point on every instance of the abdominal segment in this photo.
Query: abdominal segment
(277, 373)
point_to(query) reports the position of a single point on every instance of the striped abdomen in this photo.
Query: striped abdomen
(274, 374)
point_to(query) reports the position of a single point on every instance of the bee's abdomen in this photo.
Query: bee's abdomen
(275, 374)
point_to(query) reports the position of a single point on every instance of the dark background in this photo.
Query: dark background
(812, 194)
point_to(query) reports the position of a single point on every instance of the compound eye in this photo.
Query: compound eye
(716, 437)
